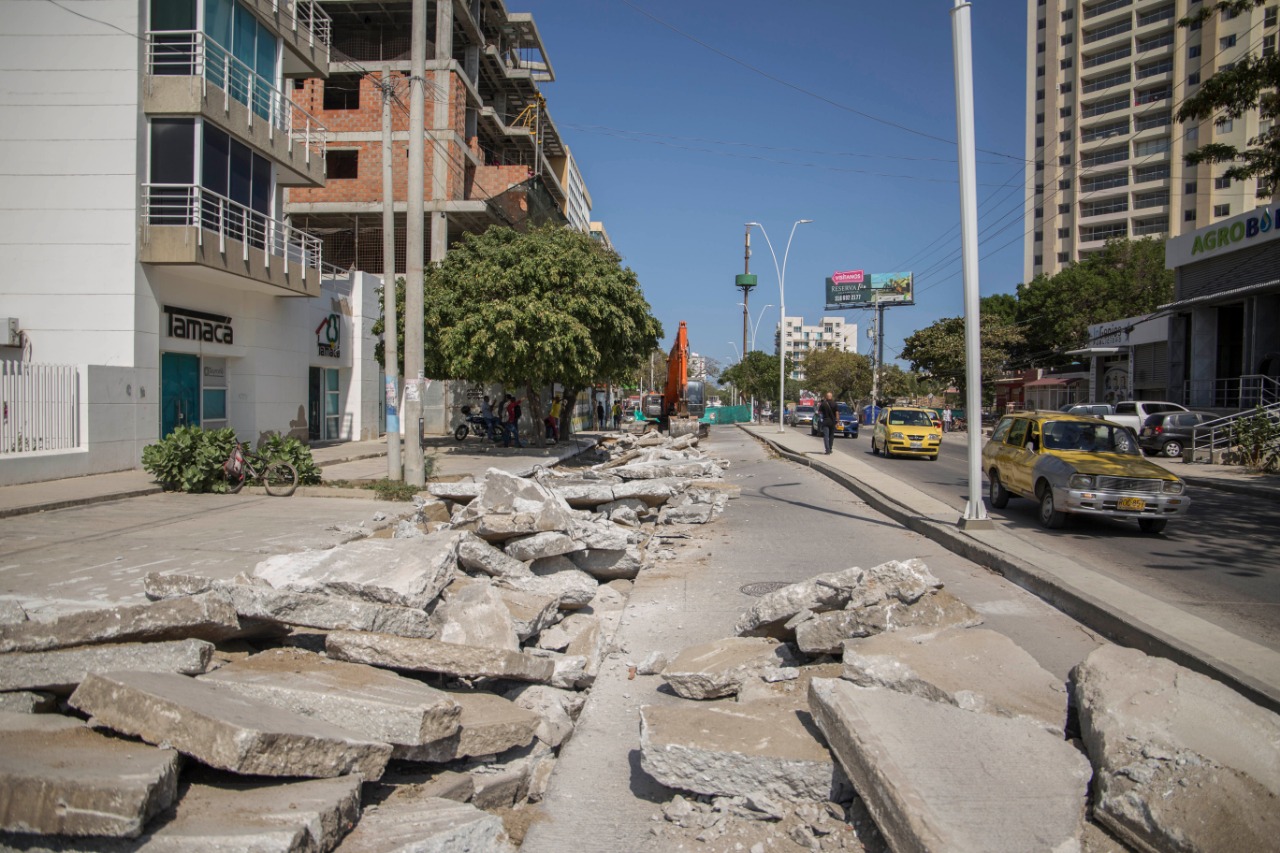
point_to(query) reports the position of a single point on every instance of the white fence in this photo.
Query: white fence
(41, 407)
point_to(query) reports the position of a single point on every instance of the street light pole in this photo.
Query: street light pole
(755, 328)
(782, 310)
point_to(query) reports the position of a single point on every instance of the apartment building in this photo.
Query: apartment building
(149, 274)
(1104, 81)
(798, 339)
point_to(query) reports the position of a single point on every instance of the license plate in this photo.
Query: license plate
(1134, 504)
(916, 444)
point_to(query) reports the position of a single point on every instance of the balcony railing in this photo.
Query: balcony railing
(191, 53)
(304, 15)
(1109, 56)
(194, 206)
(1103, 8)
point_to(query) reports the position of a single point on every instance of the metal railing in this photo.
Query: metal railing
(1213, 439)
(310, 17)
(191, 53)
(1103, 8)
(192, 206)
(1242, 392)
(41, 407)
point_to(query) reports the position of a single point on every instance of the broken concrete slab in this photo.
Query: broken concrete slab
(739, 748)
(687, 514)
(584, 495)
(936, 777)
(602, 535)
(854, 587)
(507, 505)
(1181, 761)
(529, 612)
(487, 725)
(477, 555)
(60, 670)
(557, 710)
(11, 611)
(421, 655)
(571, 587)
(581, 635)
(474, 614)
(59, 777)
(463, 491)
(825, 633)
(27, 702)
(540, 546)
(609, 564)
(223, 729)
(405, 572)
(719, 668)
(654, 493)
(502, 784)
(210, 616)
(971, 668)
(378, 704)
(405, 823)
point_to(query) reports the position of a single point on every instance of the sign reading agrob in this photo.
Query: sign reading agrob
(856, 289)
(1246, 229)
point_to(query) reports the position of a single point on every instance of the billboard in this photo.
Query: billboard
(856, 289)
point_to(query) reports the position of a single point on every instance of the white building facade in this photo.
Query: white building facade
(799, 339)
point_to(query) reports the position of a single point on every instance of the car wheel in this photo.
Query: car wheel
(1151, 525)
(1050, 517)
(1172, 449)
(933, 458)
(997, 493)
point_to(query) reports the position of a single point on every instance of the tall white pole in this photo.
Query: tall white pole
(975, 512)
(414, 469)
(391, 333)
(782, 308)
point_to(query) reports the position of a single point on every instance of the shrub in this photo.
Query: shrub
(1258, 442)
(190, 459)
(291, 450)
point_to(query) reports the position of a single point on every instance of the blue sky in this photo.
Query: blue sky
(681, 143)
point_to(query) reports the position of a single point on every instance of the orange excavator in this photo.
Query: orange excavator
(682, 405)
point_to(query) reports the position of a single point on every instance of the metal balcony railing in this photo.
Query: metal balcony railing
(191, 53)
(1252, 390)
(307, 18)
(194, 206)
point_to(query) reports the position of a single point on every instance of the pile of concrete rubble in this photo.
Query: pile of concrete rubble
(865, 708)
(391, 693)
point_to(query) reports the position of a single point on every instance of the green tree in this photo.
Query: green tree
(528, 309)
(894, 382)
(847, 375)
(1252, 83)
(756, 375)
(939, 350)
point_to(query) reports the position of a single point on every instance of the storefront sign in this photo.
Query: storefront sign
(1247, 229)
(329, 336)
(188, 325)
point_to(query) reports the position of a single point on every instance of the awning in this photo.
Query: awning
(1097, 351)
(1224, 296)
(1049, 382)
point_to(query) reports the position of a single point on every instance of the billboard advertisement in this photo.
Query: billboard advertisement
(856, 289)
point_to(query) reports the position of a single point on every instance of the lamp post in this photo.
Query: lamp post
(782, 310)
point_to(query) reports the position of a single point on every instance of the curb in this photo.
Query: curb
(85, 501)
(1095, 614)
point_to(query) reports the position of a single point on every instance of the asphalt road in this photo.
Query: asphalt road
(1219, 562)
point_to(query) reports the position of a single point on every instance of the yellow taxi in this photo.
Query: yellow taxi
(1076, 464)
(906, 431)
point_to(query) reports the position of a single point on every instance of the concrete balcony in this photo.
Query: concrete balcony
(305, 29)
(188, 73)
(226, 244)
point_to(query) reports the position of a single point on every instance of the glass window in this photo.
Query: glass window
(1017, 433)
(173, 150)
(1001, 430)
(215, 404)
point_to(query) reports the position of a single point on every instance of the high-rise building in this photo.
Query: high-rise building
(798, 340)
(1105, 79)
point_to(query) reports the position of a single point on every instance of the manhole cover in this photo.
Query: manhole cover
(762, 588)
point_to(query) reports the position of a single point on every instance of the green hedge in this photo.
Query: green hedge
(190, 458)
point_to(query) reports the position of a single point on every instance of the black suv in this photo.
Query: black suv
(1168, 432)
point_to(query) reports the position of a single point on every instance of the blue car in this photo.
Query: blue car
(847, 427)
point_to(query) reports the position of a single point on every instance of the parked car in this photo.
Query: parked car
(847, 426)
(1093, 410)
(802, 415)
(1134, 413)
(1074, 464)
(1168, 432)
(906, 431)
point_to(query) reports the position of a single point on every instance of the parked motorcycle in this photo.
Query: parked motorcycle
(473, 424)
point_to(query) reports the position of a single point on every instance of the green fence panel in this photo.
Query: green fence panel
(729, 414)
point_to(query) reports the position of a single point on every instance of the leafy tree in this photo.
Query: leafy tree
(757, 376)
(939, 349)
(1252, 83)
(894, 382)
(847, 375)
(528, 309)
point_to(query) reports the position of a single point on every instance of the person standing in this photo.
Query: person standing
(490, 420)
(617, 416)
(553, 419)
(946, 419)
(829, 412)
(599, 414)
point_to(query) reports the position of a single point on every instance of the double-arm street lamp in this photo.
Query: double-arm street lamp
(756, 326)
(782, 309)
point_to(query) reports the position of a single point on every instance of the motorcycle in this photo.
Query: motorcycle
(473, 424)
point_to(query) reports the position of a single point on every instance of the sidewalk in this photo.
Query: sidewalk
(1122, 613)
(351, 460)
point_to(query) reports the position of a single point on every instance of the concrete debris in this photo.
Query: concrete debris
(507, 506)
(210, 616)
(223, 729)
(1180, 761)
(584, 495)
(461, 492)
(541, 545)
(475, 614)
(378, 704)
(27, 702)
(487, 725)
(653, 493)
(571, 587)
(602, 535)
(974, 669)
(60, 670)
(59, 777)
(421, 655)
(735, 749)
(11, 611)
(936, 777)
(406, 823)
(503, 783)
(719, 668)
(557, 710)
(825, 633)
(405, 572)
(449, 784)
(687, 514)
(477, 555)
(653, 664)
(579, 635)
(609, 564)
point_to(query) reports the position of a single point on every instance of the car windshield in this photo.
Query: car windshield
(910, 417)
(1098, 438)
(804, 410)
(845, 411)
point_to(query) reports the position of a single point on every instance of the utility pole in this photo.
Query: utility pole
(441, 134)
(391, 333)
(414, 469)
(745, 282)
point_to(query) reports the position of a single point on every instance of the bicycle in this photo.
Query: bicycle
(279, 478)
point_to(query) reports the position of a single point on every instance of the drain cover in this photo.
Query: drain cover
(762, 588)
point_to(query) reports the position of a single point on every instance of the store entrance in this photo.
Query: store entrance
(179, 391)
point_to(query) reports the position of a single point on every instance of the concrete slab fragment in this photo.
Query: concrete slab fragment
(653, 492)
(572, 588)
(462, 491)
(1181, 761)
(936, 777)
(971, 668)
(558, 710)
(603, 535)
(583, 494)
(719, 668)
(608, 565)
(223, 729)
(378, 704)
(825, 633)
(474, 614)
(477, 555)
(435, 656)
(507, 506)
(210, 616)
(488, 725)
(541, 545)
(403, 823)
(739, 748)
(27, 702)
(59, 777)
(60, 670)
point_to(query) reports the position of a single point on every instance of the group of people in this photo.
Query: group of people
(504, 422)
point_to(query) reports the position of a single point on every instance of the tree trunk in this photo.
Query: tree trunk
(539, 419)
(568, 400)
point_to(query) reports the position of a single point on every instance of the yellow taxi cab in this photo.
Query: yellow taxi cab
(906, 431)
(1077, 464)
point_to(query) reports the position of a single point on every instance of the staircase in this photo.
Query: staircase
(1214, 441)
